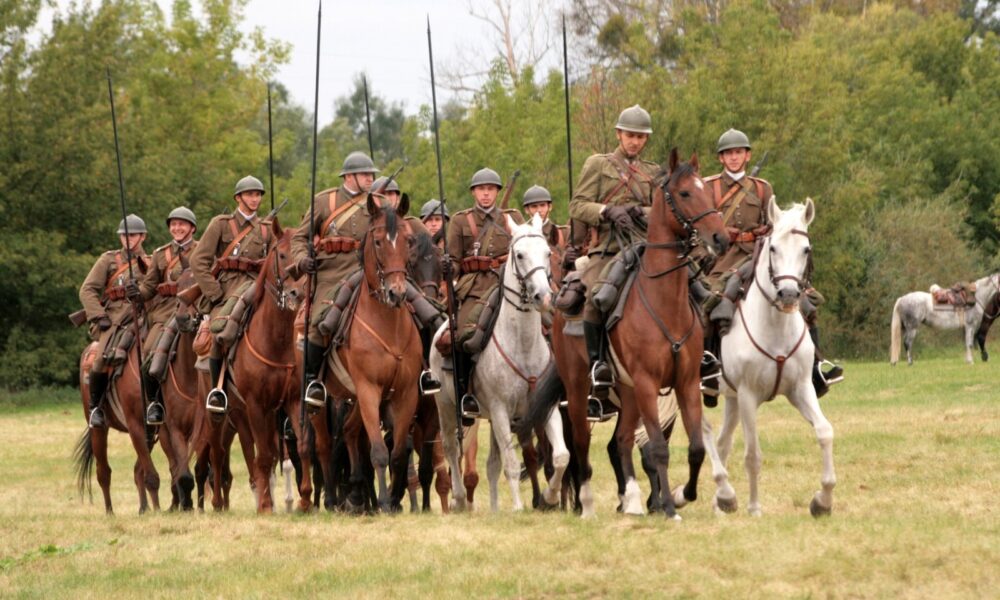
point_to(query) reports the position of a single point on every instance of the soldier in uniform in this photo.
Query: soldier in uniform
(613, 197)
(430, 214)
(743, 202)
(103, 294)
(478, 241)
(340, 224)
(159, 291)
(538, 201)
(229, 255)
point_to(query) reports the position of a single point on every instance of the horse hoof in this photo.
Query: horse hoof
(726, 505)
(679, 500)
(818, 510)
(985, 356)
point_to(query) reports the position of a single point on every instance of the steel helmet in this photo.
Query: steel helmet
(135, 225)
(184, 214)
(635, 119)
(536, 194)
(358, 162)
(486, 177)
(248, 184)
(432, 207)
(377, 184)
(732, 138)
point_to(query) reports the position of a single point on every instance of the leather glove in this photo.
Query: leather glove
(132, 291)
(307, 265)
(618, 216)
(569, 258)
(762, 230)
(103, 323)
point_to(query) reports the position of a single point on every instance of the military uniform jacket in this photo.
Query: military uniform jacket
(159, 286)
(610, 180)
(103, 291)
(217, 238)
(336, 240)
(478, 241)
(745, 204)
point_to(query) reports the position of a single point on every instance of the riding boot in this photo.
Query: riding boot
(711, 366)
(822, 380)
(463, 370)
(98, 386)
(216, 402)
(601, 377)
(428, 383)
(154, 406)
(315, 390)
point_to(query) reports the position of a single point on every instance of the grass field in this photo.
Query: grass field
(917, 453)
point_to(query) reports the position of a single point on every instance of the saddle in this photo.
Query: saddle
(960, 295)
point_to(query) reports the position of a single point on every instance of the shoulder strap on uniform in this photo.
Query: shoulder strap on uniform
(338, 210)
(237, 237)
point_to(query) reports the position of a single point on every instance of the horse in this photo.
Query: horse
(381, 358)
(507, 369)
(657, 314)
(767, 351)
(125, 411)
(914, 308)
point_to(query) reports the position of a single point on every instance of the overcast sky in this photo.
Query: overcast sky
(385, 38)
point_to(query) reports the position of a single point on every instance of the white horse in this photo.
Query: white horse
(768, 351)
(915, 308)
(506, 369)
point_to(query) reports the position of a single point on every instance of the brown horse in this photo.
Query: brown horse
(382, 358)
(658, 314)
(126, 412)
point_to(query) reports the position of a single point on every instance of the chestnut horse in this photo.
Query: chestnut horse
(657, 314)
(125, 411)
(381, 356)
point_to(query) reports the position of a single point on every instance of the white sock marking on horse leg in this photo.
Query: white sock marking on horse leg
(587, 501)
(633, 498)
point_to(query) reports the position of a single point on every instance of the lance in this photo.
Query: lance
(312, 217)
(368, 119)
(128, 247)
(449, 284)
(569, 142)
(270, 145)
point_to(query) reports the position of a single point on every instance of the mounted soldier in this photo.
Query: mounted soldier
(478, 240)
(612, 197)
(225, 263)
(743, 200)
(159, 292)
(538, 201)
(105, 296)
(430, 215)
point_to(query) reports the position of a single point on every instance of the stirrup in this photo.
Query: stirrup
(315, 394)
(710, 367)
(833, 375)
(149, 411)
(470, 406)
(601, 385)
(90, 419)
(595, 410)
(287, 431)
(428, 384)
(216, 407)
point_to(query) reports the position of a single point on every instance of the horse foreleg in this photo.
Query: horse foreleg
(752, 456)
(969, 333)
(470, 471)
(146, 477)
(689, 403)
(494, 464)
(264, 433)
(577, 410)
(449, 444)
(217, 460)
(368, 404)
(616, 465)
(807, 404)
(402, 407)
(505, 442)
(560, 459)
(625, 441)
(725, 495)
(99, 446)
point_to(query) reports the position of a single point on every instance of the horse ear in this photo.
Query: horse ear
(536, 222)
(674, 159)
(276, 228)
(773, 211)
(810, 210)
(511, 223)
(404, 206)
(370, 204)
(694, 162)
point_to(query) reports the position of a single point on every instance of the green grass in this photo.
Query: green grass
(916, 449)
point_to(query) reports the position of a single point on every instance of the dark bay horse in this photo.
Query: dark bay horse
(381, 357)
(658, 315)
(125, 412)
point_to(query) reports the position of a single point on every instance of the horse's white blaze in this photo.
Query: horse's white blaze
(698, 183)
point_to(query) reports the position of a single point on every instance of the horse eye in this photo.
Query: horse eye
(685, 194)
(520, 256)
(772, 249)
(808, 250)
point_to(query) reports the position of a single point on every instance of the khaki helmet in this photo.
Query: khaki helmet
(135, 225)
(732, 138)
(184, 214)
(635, 119)
(248, 184)
(378, 183)
(536, 194)
(432, 207)
(486, 177)
(358, 162)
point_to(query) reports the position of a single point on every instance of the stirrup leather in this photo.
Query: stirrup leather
(470, 406)
(211, 407)
(428, 384)
(315, 394)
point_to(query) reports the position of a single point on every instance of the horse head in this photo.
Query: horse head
(386, 249)
(528, 264)
(788, 253)
(695, 218)
(425, 264)
(274, 279)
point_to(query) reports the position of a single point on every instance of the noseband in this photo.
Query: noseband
(380, 271)
(802, 283)
(277, 287)
(522, 294)
(690, 231)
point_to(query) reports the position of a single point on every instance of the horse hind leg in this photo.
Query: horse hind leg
(725, 496)
(494, 465)
(560, 460)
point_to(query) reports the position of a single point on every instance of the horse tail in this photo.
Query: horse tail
(83, 458)
(548, 391)
(895, 334)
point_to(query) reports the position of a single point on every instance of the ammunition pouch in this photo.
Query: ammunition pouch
(572, 294)
(613, 278)
(160, 357)
(330, 319)
(474, 334)
(115, 293)
(243, 265)
(480, 264)
(167, 289)
(337, 245)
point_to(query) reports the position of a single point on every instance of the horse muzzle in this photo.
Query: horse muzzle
(787, 299)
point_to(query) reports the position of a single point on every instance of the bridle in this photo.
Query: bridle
(523, 303)
(277, 288)
(802, 283)
(685, 245)
(382, 293)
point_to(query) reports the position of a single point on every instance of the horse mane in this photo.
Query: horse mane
(423, 244)
(391, 221)
(683, 169)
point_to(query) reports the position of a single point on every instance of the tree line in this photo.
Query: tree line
(883, 113)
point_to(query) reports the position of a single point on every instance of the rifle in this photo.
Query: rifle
(310, 288)
(510, 189)
(760, 164)
(270, 145)
(368, 119)
(449, 283)
(136, 311)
